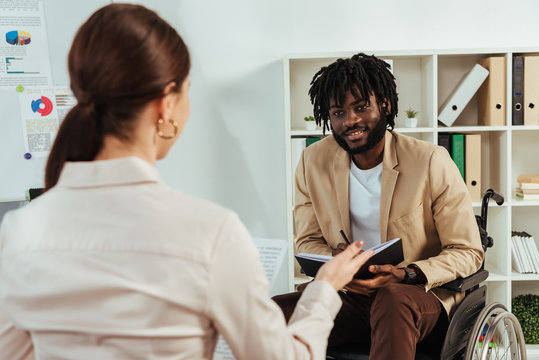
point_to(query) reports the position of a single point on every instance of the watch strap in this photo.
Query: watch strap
(410, 276)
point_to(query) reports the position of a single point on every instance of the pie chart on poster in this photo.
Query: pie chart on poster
(43, 106)
(17, 37)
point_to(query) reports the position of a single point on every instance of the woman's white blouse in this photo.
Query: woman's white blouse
(113, 264)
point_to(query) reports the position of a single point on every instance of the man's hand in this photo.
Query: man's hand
(385, 275)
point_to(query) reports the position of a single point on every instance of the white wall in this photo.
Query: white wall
(232, 149)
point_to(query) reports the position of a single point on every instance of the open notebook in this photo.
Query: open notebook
(389, 252)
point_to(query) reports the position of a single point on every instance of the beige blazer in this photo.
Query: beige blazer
(423, 200)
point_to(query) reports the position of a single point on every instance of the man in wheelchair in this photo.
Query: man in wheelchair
(376, 184)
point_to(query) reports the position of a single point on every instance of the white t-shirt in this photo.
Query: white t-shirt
(365, 186)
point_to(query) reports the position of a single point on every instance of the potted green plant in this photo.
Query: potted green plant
(411, 117)
(526, 307)
(310, 123)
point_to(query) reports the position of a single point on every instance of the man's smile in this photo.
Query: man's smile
(356, 134)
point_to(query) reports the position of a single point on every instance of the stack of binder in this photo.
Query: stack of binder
(524, 253)
(528, 187)
(465, 150)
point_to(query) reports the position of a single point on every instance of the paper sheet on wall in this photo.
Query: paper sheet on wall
(24, 50)
(272, 253)
(64, 99)
(39, 120)
(42, 109)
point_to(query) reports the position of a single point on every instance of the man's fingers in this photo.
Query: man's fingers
(377, 269)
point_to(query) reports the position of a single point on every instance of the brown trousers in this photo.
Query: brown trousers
(393, 322)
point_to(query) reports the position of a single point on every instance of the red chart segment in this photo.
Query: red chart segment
(42, 106)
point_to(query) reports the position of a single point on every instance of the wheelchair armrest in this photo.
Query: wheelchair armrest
(464, 284)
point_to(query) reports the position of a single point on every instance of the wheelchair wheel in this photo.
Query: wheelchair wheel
(496, 335)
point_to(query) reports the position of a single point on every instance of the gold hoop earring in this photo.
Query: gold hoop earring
(160, 132)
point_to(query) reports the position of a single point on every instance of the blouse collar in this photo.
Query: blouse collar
(120, 171)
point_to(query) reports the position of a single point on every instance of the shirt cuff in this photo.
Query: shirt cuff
(319, 295)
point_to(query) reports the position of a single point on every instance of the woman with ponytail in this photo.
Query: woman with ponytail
(110, 263)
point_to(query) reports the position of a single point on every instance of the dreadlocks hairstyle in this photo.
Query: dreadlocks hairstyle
(361, 73)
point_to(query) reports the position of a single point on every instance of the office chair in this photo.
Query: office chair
(476, 331)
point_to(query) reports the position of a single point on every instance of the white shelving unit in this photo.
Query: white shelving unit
(424, 80)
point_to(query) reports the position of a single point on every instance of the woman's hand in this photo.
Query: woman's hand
(339, 249)
(340, 270)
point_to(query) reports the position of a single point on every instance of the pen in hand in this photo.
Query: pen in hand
(344, 237)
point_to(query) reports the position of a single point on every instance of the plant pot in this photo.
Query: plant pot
(310, 125)
(411, 122)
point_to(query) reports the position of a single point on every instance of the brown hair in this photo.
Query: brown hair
(121, 58)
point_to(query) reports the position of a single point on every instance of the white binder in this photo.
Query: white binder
(462, 94)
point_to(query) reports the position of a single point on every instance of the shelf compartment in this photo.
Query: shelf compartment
(415, 78)
(451, 69)
(524, 159)
(525, 219)
(493, 159)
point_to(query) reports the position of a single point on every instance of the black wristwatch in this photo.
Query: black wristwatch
(410, 276)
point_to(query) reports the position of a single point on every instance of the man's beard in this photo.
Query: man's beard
(373, 138)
